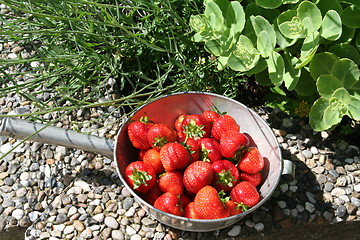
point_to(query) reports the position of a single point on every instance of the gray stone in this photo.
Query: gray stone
(61, 218)
(309, 207)
(307, 154)
(341, 211)
(111, 222)
(234, 231)
(259, 227)
(127, 202)
(9, 181)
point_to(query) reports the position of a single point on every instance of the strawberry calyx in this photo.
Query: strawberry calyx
(223, 196)
(226, 178)
(194, 131)
(159, 142)
(144, 119)
(205, 154)
(242, 206)
(139, 177)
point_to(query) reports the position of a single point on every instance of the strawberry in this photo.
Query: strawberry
(246, 193)
(194, 149)
(140, 176)
(169, 202)
(141, 155)
(195, 126)
(209, 150)
(185, 200)
(137, 132)
(160, 134)
(251, 162)
(233, 208)
(223, 124)
(210, 115)
(171, 181)
(255, 179)
(174, 156)
(232, 144)
(178, 122)
(153, 194)
(189, 211)
(226, 175)
(152, 157)
(197, 175)
(208, 205)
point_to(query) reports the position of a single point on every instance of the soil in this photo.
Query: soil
(344, 231)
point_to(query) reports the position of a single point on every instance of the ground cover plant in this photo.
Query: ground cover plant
(305, 49)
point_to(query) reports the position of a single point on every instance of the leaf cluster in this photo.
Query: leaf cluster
(275, 41)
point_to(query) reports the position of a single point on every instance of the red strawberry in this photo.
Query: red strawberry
(195, 126)
(223, 124)
(141, 154)
(137, 132)
(210, 115)
(185, 200)
(140, 176)
(251, 162)
(178, 122)
(169, 202)
(209, 150)
(232, 144)
(226, 175)
(197, 175)
(233, 208)
(194, 149)
(189, 211)
(253, 178)
(174, 156)
(171, 181)
(152, 157)
(153, 194)
(245, 192)
(208, 205)
(160, 134)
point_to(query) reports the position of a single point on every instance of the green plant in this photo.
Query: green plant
(128, 51)
(274, 42)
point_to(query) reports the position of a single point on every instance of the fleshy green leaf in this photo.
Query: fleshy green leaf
(327, 84)
(354, 107)
(338, 106)
(326, 5)
(346, 71)
(264, 44)
(245, 56)
(235, 18)
(290, 1)
(293, 29)
(322, 63)
(222, 61)
(259, 67)
(281, 40)
(214, 47)
(358, 41)
(309, 10)
(346, 50)
(214, 16)
(276, 68)
(308, 49)
(269, 4)
(260, 24)
(331, 27)
(316, 115)
(263, 78)
(291, 75)
(351, 16)
(306, 85)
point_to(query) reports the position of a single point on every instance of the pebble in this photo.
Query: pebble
(234, 231)
(259, 227)
(111, 222)
(118, 235)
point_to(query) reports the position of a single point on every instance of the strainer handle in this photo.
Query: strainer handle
(37, 132)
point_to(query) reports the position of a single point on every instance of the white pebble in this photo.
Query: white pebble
(259, 227)
(309, 207)
(18, 214)
(234, 231)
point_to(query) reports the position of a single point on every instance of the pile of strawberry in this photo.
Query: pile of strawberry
(203, 168)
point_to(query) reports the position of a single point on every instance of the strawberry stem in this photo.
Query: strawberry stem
(226, 178)
(139, 177)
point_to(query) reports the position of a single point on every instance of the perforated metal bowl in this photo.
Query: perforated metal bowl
(166, 109)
